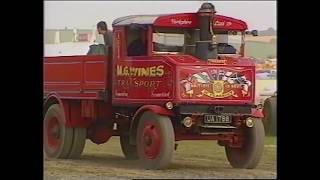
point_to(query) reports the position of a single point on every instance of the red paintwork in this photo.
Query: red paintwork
(73, 117)
(186, 79)
(100, 134)
(53, 134)
(82, 114)
(151, 140)
(154, 108)
(188, 60)
(127, 90)
(75, 76)
(129, 85)
(190, 20)
(81, 83)
(257, 113)
(204, 91)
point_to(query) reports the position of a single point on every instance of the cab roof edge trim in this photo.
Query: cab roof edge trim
(163, 20)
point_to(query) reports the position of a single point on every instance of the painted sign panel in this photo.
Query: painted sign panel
(220, 83)
(143, 80)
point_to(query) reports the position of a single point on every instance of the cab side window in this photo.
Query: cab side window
(136, 41)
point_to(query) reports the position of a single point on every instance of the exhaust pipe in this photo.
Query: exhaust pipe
(205, 15)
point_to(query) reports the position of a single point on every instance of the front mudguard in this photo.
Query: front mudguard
(256, 113)
(155, 109)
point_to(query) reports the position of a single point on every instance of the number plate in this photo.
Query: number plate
(217, 119)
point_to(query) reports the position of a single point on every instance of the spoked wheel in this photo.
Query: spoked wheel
(155, 141)
(57, 137)
(249, 155)
(61, 141)
(129, 151)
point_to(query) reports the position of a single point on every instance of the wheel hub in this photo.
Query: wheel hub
(147, 140)
(151, 140)
(53, 133)
(56, 132)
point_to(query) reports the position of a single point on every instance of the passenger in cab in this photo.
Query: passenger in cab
(138, 46)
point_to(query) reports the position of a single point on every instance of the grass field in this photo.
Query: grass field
(193, 159)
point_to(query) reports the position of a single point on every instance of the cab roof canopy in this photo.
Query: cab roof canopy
(182, 20)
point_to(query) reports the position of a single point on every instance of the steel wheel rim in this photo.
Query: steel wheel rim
(52, 134)
(151, 140)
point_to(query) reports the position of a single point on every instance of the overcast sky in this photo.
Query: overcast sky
(259, 15)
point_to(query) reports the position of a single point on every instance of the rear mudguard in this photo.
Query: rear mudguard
(52, 98)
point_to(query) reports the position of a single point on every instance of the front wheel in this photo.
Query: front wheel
(249, 155)
(155, 141)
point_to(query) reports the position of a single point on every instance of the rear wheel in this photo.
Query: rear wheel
(129, 151)
(61, 141)
(79, 140)
(57, 137)
(155, 141)
(249, 155)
